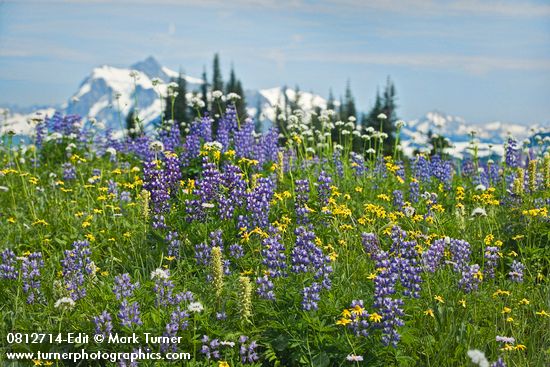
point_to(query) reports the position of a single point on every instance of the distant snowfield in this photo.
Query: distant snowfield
(109, 93)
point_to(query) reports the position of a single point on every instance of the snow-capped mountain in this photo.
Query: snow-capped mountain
(109, 93)
(488, 137)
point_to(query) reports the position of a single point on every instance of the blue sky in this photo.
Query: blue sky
(485, 60)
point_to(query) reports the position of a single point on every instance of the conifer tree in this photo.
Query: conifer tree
(217, 80)
(204, 89)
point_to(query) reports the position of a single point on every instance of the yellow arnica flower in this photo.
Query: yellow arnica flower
(507, 347)
(439, 299)
(462, 302)
(346, 313)
(500, 292)
(506, 310)
(520, 347)
(343, 322)
(542, 313)
(524, 301)
(358, 310)
(429, 312)
(223, 364)
(375, 317)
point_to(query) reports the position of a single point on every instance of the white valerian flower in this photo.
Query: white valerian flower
(480, 187)
(227, 344)
(70, 147)
(382, 116)
(156, 146)
(352, 119)
(447, 240)
(409, 211)
(478, 357)
(369, 130)
(4, 188)
(479, 212)
(371, 151)
(172, 85)
(365, 137)
(350, 124)
(338, 147)
(233, 97)
(196, 102)
(217, 94)
(400, 124)
(134, 74)
(195, 307)
(160, 274)
(339, 123)
(156, 81)
(310, 150)
(345, 132)
(216, 145)
(207, 205)
(111, 151)
(65, 303)
(354, 358)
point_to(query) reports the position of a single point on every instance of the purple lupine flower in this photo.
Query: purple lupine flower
(154, 182)
(512, 153)
(125, 197)
(265, 288)
(207, 190)
(210, 348)
(398, 199)
(192, 144)
(307, 257)
(421, 169)
(516, 272)
(273, 252)
(244, 140)
(323, 188)
(268, 147)
(179, 320)
(7, 267)
(172, 173)
(357, 164)
(302, 197)
(123, 287)
(258, 205)
(470, 278)
(174, 244)
(236, 251)
(30, 274)
(103, 324)
(359, 319)
(76, 265)
(414, 191)
(163, 288)
(170, 137)
(248, 351)
(225, 127)
(431, 258)
(392, 311)
(460, 254)
(112, 188)
(370, 243)
(499, 363)
(69, 171)
(129, 314)
(337, 160)
(234, 187)
(441, 170)
(468, 168)
(491, 260)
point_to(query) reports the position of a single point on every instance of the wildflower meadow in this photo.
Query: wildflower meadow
(310, 244)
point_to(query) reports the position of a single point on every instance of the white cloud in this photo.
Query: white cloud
(470, 64)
